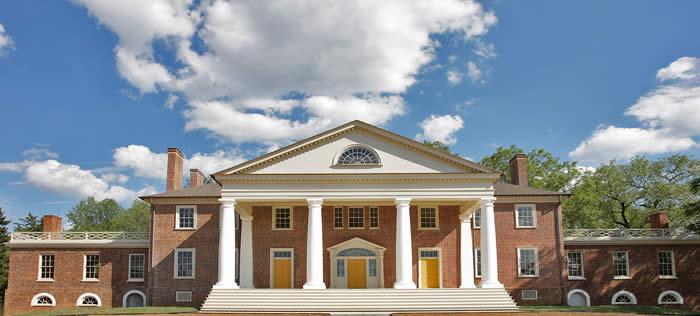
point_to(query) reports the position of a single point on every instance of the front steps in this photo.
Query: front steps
(366, 300)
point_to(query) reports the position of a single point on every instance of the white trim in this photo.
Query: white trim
(194, 262)
(177, 217)
(272, 265)
(585, 294)
(36, 298)
(337, 156)
(363, 217)
(673, 293)
(632, 298)
(81, 297)
(673, 265)
(534, 215)
(474, 219)
(439, 250)
(178, 292)
(627, 264)
(342, 217)
(537, 262)
(99, 260)
(127, 294)
(274, 217)
(522, 295)
(437, 217)
(477, 273)
(38, 277)
(129, 279)
(583, 270)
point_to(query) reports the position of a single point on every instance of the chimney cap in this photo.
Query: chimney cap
(518, 156)
(176, 150)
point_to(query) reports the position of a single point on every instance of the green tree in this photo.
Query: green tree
(91, 215)
(544, 170)
(692, 209)
(439, 146)
(29, 223)
(623, 195)
(4, 253)
(135, 218)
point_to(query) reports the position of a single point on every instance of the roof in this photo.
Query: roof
(214, 190)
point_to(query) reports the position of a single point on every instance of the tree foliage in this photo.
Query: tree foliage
(545, 171)
(107, 215)
(692, 208)
(29, 223)
(439, 146)
(4, 252)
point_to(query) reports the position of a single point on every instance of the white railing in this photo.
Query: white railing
(620, 232)
(80, 236)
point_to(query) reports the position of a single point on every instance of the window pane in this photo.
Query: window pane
(92, 266)
(528, 263)
(373, 217)
(356, 216)
(477, 257)
(372, 271)
(282, 254)
(575, 264)
(47, 266)
(340, 268)
(184, 263)
(666, 263)
(526, 216)
(358, 156)
(136, 266)
(283, 218)
(477, 218)
(620, 263)
(429, 254)
(186, 217)
(338, 217)
(428, 217)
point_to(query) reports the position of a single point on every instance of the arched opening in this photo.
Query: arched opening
(357, 155)
(624, 298)
(578, 298)
(134, 298)
(43, 299)
(357, 264)
(89, 299)
(670, 297)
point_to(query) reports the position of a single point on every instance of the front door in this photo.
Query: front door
(429, 269)
(357, 273)
(282, 269)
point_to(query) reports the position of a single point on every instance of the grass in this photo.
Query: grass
(655, 310)
(115, 311)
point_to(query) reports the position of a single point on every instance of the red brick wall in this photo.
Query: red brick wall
(68, 284)
(644, 283)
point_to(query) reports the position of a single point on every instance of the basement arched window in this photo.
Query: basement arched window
(670, 297)
(358, 155)
(43, 299)
(88, 299)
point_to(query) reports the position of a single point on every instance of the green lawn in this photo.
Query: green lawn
(655, 310)
(116, 311)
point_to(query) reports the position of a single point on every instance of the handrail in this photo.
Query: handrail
(79, 236)
(622, 232)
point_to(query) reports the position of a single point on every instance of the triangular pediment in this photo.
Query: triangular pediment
(319, 155)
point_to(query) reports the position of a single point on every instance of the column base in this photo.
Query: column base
(491, 285)
(467, 286)
(232, 286)
(314, 286)
(404, 285)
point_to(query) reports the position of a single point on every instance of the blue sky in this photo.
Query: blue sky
(84, 86)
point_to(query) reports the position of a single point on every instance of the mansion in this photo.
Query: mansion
(353, 219)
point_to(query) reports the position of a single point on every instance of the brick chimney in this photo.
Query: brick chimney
(175, 164)
(658, 220)
(196, 178)
(51, 223)
(518, 169)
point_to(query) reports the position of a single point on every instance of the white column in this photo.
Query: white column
(246, 252)
(404, 248)
(489, 261)
(314, 247)
(466, 252)
(227, 244)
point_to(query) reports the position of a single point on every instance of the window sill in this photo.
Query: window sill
(183, 278)
(621, 278)
(477, 227)
(528, 276)
(282, 228)
(577, 278)
(356, 227)
(135, 280)
(525, 227)
(45, 280)
(668, 277)
(90, 280)
(179, 228)
(428, 228)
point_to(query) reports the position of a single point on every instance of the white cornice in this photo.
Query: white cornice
(486, 178)
(680, 240)
(78, 244)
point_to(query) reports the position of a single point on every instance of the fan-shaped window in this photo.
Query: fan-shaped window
(624, 297)
(356, 252)
(89, 299)
(358, 155)
(43, 299)
(670, 297)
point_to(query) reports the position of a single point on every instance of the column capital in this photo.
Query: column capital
(245, 218)
(402, 201)
(487, 201)
(314, 201)
(227, 201)
(465, 217)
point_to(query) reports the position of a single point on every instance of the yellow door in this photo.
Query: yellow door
(282, 273)
(357, 273)
(430, 272)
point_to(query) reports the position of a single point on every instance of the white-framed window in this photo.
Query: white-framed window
(282, 218)
(667, 265)
(477, 264)
(137, 265)
(620, 260)
(575, 265)
(47, 267)
(91, 267)
(428, 217)
(356, 217)
(525, 216)
(185, 260)
(43, 299)
(183, 296)
(130, 299)
(358, 155)
(624, 298)
(89, 299)
(528, 295)
(476, 219)
(373, 217)
(528, 265)
(670, 297)
(340, 268)
(338, 218)
(371, 267)
(186, 217)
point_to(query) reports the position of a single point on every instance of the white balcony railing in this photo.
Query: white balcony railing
(626, 233)
(80, 236)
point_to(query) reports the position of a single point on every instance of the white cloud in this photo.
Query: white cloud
(473, 72)
(170, 102)
(146, 163)
(669, 116)
(451, 59)
(464, 106)
(454, 77)
(485, 50)
(441, 128)
(258, 50)
(6, 43)
(14, 166)
(113, 177)
(39, 153)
